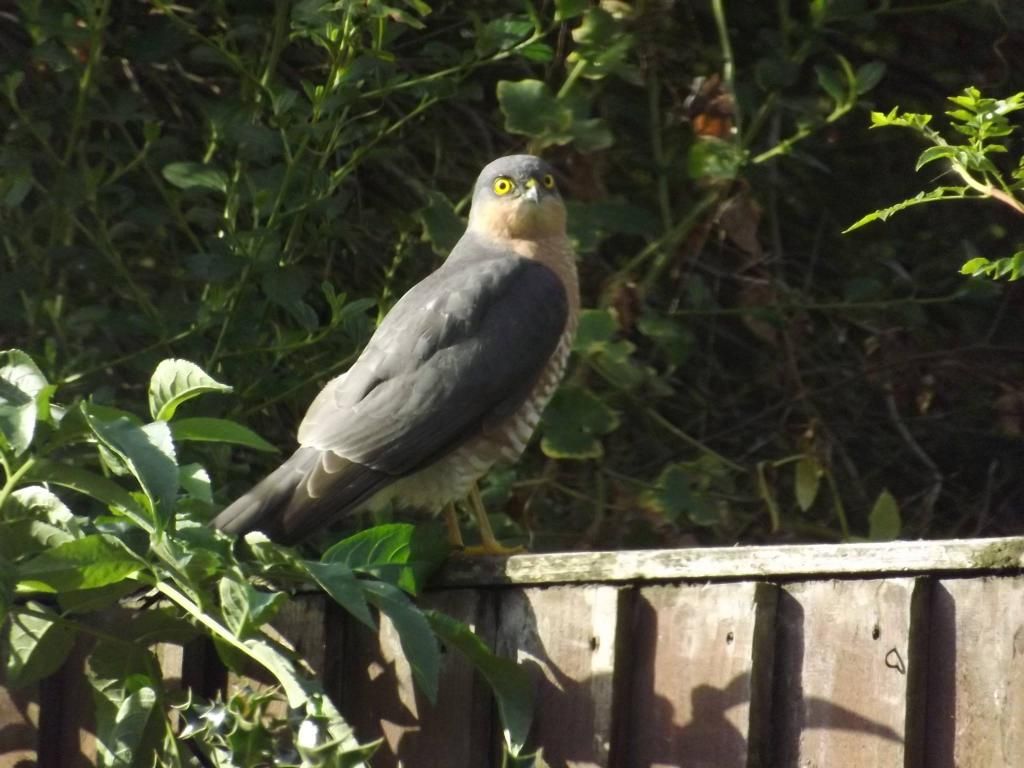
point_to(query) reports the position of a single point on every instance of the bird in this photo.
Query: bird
(452, 382)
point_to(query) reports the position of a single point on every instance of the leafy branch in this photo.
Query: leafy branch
(984, 129)
(62, 571)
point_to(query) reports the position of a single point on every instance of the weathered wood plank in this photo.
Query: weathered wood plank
(19, 725)
(818, 560)
(68, 714)
(842, 686)
(975, 715)
(701, 676)
(568, 636)
(375, 689)
(171, 659)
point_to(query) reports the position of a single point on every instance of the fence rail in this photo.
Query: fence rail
(859, 655)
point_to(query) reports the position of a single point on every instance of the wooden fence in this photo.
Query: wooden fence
(862, 655)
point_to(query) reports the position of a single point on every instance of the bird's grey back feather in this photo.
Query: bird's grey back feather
(460, 351)
(461, 348)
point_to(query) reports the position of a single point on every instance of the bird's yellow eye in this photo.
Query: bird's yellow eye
(548, 181)
(503, 185)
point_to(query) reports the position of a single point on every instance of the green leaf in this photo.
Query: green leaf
(868, 76)
(147, 451)
(157, 625)
(830, 81)
(20, 382)
(85, 482)
(591, 134)
(92, 561)
(912, 120)
(539, 52)
(418, 643)
(568, 9)
(674, 495)
(188, 175)
(124, 677)
(501, 35)
(175, 381)
(282, 668)
(33, 502)
(244, 607)
(940, 193)
(287, 287)
(1011, 268)
(612, 358)
(615, 362)
(195, 480)
(976, 266)
(512, 686)
(129, 731)
(603, 44)
(233, 605)
(35, 645)
(198, 551)
(884, 521)
(402, 554)
(345, 589)
(35, 519)
(934, 153)
(210, 430)
(596, 328)
(442, 226)
(532, 110)
(89, 600)
(806, 480)
(672, 337)
(573, 421)
(715, 159)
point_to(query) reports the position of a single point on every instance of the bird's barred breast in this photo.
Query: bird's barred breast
(452, 477)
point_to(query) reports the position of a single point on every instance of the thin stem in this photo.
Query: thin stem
(574, 74)
(664, 248)
(654, 114)
(278, 41)
(13, 478)
(668, 426)
(197, 613)
(988, 189)
(837, 500)
(728, 63)
(107, 364)
(784, 146)
(85, 82)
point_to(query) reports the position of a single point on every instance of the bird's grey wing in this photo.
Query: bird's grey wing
(460, 350)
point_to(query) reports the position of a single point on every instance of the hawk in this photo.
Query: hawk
(453, 381)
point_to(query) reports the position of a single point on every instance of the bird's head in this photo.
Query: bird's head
(517, 197)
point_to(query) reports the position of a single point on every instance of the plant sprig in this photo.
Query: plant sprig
(984, 129)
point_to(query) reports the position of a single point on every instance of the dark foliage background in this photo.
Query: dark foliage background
(251, 185)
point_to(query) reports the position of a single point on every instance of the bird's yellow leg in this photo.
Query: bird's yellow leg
(489, 544)
(451, 522)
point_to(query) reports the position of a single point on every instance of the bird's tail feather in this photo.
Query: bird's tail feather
(281, 506)
(261, 507)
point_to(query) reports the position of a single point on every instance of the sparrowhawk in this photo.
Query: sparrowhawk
(453, 380)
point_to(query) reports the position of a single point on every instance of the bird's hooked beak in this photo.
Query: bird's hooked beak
(532, 193)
